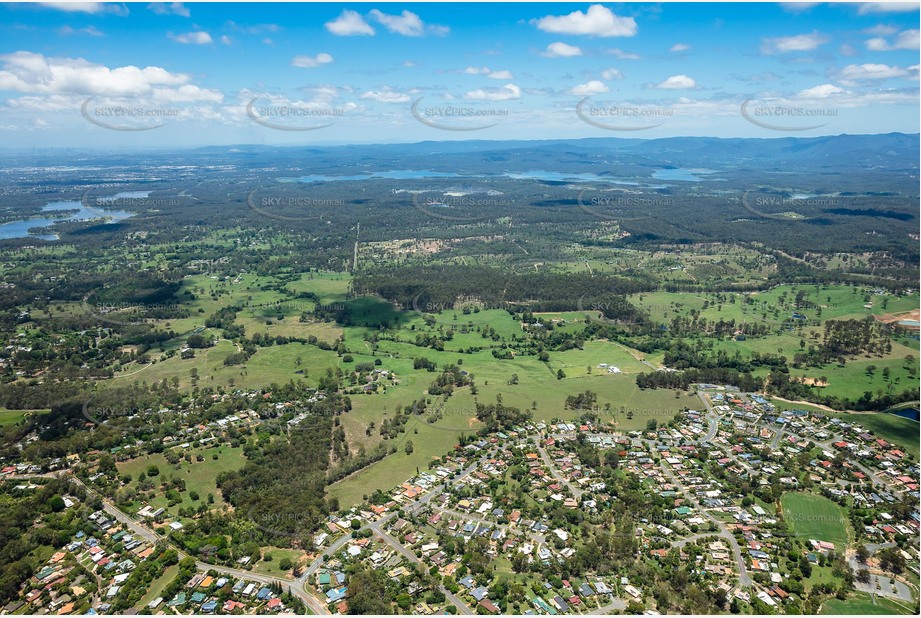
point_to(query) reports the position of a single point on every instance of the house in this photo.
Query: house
(479, 593)
(335, 594)
(489, 606)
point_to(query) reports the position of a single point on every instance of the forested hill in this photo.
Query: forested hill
(896, 152)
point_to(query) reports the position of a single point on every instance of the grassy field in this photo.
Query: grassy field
(860, 604)
(815, 517)
(895, 429)
(271, 567)
(157, 586)
(774, 306)
(199, 476)
(11, 417)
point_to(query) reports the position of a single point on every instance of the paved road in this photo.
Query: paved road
(778, 434)
(556, 473)
(615, 604)
(151, 536)
(376, 527)
(712, 419)
(724, 532)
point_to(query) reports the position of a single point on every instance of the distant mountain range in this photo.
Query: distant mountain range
(891, 151)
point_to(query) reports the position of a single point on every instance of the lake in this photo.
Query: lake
(423, 174)
(20, 229)
(682, 173)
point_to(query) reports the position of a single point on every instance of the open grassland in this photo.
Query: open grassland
(199, 476)
(157, 586)
(811, 516)
(271, 567)
(895, 429)
(860, 374)
(11, 417)
(775, 305)
(861, 604)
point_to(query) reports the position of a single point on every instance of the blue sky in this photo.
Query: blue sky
(196, 74)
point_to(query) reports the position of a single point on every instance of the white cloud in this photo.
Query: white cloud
(797, 43)
(589, 88)
(622, 55)
(489, 73)
(169, 8)
(349, 23)
(90, 30)
(561, 50)
(854, 72)
(307, 62)
(798, 7)
(255, 29)
(226, 40)
(612, 73)
(385, 96)
(887, 7)
(33, 73)
(677, 82)
(907, 39)
(87, 7)
(505, 93)
(191, 38)
(679, 47)
(880, 30)
(406, 23)
(598, 21)
(409, 64)
(821, 92)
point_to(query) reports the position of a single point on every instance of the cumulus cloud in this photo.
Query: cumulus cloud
(887, 7)
(505, 93)
(87, 7)
(561, 50)
(798, 7)
(89, 30)
(169, 8)
(854, 72)
(796, 43)
(598, 21)
(592, 87)
(256, 29)
(821, 92)
(622, 55)
(679, 47)
(308, 62)
(612, 73)
(385, 96)
(880, 30)
(32, 73)
(191, 38)
(504, 74)
(677, 82)
(349, 23)
(907, 39)
(407, 23)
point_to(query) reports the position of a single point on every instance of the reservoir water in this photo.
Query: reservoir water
(20, 229)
